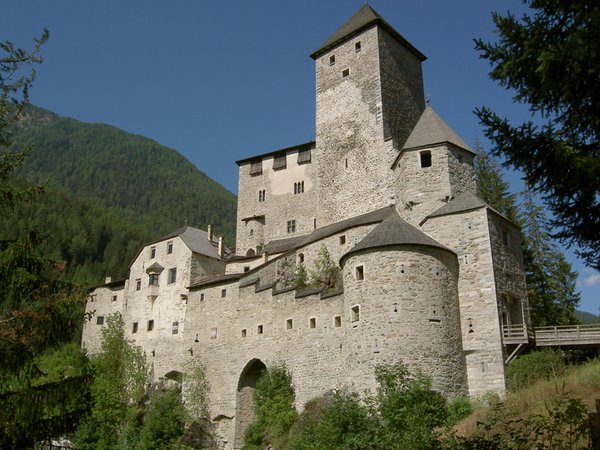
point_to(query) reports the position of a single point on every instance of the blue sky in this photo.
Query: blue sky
(221, 81)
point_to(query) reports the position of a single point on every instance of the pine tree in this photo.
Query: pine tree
(38, 313)
(550, 278)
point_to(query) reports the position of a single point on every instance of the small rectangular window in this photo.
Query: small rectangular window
(169, 247)
(150, 325)
(256, 167)
(175, 328)
(134, 328)
(153, 279)
(345, 73)
(425, 159)
(332, 60)
(289, 324)
(262, 195)
(138, 284)
(172, 275)
(100, 320)
(359, 273)
(337, 321)
(280, 162)
(152, 252)
(114, 298)
(246, 268)
(291, 226)
(342, 240)
(312, 323)
(355, 313)
(260, 329)
(202, 297)
(244, 332)
(223, 293)
(357, 47)
(213, 333)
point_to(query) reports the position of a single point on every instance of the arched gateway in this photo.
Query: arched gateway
(244, 409)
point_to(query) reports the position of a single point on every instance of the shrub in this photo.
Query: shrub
(543, 364)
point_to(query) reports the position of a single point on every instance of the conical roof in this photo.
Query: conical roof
(431, 129)
(364, 18)
(392, 231)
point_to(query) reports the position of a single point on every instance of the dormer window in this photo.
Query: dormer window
(256, 167)
(280, 162)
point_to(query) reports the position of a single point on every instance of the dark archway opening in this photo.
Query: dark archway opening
(244, 410)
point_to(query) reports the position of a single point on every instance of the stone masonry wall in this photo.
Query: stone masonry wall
(422, 190)
(352, 170)
(468, 234)
(100, 304)
(280, 204)
(409, 312)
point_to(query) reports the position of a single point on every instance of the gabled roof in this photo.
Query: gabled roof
(394, 231)
(467, 201)
(196, 240)
(363, 19)
(464, 202)
(431, 129)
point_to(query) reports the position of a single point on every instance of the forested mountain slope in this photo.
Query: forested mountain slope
(133, 176)
(107, 193)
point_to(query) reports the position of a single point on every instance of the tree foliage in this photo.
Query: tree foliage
(325, 271)
(273, 400)
(550, 58)
(551, 289)
(38, 312)
(120, 376)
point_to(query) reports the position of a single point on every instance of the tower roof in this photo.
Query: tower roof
(392, 231)
(431, 129)
(364, 18)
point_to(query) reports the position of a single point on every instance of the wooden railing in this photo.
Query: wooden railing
(516, 334)
(566, 335)
(588, 334)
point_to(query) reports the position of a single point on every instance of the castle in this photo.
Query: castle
(428, 273)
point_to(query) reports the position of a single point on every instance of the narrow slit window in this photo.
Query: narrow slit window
(359, 273)
(342, 239)
(114, 299)
(175, 328)
(134, 328)
(150, 325)
(357, 47)
(355, 313)
(244, 333)
(260, 329)
(223, 293)
(312, 322)
(332, 60)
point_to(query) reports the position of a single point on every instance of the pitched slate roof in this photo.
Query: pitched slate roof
(216, 279)
(283, 245)
(363, 19)
(394, 231)
(431, 129)
(464, 202)
(467, 201)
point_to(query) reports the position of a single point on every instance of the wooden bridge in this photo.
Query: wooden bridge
(558, 336)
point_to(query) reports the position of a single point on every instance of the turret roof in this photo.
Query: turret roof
(392, 231)
(431, 129)
(363, 19)
(464, 202)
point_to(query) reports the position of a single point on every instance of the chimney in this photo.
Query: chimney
(221, 247)
(107, 280)
(209, 232)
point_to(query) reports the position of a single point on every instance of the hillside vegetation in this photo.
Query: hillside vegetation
(107, 192)
(133, 176)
